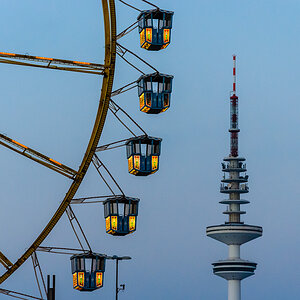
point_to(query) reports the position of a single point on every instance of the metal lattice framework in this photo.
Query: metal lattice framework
(107, 70)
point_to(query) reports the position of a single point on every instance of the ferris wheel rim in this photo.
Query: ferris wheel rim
(109, 14)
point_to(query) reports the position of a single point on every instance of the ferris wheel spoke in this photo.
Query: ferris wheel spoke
(51, 63)
(5, 261)
(37, 156)
(38, 274)
(17, 295)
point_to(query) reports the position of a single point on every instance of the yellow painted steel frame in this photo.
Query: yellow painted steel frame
(110, 57)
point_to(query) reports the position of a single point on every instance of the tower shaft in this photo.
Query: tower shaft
(234, 289)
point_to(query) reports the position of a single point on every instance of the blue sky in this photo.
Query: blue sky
(53, 112)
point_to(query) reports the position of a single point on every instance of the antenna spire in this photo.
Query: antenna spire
(234, 130)
(234, 74)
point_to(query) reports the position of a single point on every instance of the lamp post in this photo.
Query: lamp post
(122, 286)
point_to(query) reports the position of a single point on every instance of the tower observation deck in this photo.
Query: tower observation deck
(234, 232)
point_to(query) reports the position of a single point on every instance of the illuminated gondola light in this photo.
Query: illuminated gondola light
(120, 215)
(154, 92)
(143, 155)
(87, 271)
(155, 29)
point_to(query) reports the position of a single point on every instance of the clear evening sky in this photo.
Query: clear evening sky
(53, 112)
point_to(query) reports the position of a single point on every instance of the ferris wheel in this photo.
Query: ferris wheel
(142, 150)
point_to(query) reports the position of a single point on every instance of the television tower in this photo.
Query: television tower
(234, 233)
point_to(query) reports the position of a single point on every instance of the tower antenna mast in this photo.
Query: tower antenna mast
(234, 128)
(234, 74)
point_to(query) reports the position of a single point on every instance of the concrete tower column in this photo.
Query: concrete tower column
(234, 290)
(234, 251)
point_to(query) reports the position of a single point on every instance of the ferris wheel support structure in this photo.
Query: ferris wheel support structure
(107, 83)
